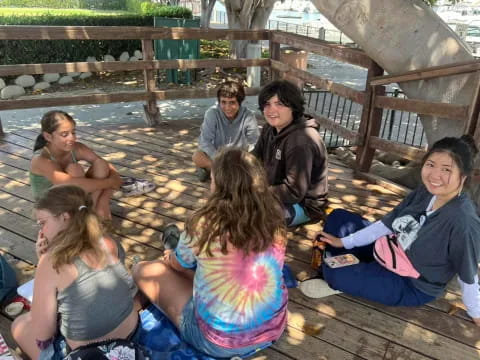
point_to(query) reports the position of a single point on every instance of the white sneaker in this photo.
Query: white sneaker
(316, 288)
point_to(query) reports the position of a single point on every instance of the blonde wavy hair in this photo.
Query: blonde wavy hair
(83, 231)
(242, 209)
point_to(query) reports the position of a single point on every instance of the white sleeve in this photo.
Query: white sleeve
(471, 296)
(366, 235)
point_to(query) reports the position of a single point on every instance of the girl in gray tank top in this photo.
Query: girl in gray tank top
(80, 280)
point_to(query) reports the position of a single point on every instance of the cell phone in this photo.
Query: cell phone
(341, 260)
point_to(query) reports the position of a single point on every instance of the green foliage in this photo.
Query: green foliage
(67, 4)
(151, 9)
(214, 49)
(59, 4)
(147, 8)
(134, 5)
(51, 51)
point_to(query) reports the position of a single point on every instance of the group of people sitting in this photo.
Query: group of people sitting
(222, 285)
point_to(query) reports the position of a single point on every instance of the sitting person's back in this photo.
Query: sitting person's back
(85, 306)
(239, 299)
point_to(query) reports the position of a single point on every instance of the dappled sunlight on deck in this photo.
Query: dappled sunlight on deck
(335, 327)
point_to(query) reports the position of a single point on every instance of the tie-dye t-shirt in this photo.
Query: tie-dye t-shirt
(239, 300)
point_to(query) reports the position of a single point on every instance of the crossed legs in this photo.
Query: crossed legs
(101, 198)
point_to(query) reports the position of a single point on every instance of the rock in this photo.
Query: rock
(124, 56)
(91, 59)
(133, 58)
(85, 75)
(51, 77)
(108, 58)
(138, 54)
(25, 80)
(12, 91)
(389, 158)
(406, 176)
(74, 74)
(2, 84)
(65, 80)
(41, 85)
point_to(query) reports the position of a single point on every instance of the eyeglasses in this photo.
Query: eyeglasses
(41, 222)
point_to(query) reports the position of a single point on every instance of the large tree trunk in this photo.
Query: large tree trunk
(402, 35)
(247, 15)
(206, 14)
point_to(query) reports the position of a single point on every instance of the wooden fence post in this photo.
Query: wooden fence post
(151, 111)
(371, 119)
(274, 55)
(471, 125)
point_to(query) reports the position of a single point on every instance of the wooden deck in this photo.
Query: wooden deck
(336, 327)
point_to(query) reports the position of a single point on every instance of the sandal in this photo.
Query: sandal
(170, 237)
(135, 187)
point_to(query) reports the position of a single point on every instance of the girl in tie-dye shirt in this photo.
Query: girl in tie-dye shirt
(223, 285)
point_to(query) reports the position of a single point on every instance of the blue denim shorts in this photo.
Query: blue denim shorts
(57, 350)
(191, 333)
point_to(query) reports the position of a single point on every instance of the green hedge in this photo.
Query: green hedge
(146, 7)
(151, 9)
(67, 4)
(52, 51)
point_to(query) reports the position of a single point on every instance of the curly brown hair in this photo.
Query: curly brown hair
(242, 210)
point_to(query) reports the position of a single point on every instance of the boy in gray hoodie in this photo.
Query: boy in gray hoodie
(226, 123)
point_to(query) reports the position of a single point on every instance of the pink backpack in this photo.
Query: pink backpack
(392, 257)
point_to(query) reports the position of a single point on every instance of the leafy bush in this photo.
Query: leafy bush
(67, 4)
(48, 51)
(146, 7)
(59, 4)
(134, 5)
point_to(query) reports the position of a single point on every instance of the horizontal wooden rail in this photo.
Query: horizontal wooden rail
(8, 70)
(319, 82)
(429, 73)
(338, 52)
(338, 129)
(450, 111)
(14, 32)
(406, 151)
(106, 98)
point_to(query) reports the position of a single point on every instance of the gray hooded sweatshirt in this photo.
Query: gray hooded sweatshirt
(217, 131)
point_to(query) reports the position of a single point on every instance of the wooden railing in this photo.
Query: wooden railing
(372, 98)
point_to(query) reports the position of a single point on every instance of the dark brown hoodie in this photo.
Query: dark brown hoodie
(296, 164)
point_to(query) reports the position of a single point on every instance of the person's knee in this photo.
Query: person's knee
(99, 169)
(75, 170)
(138, 269)
(202, 160)
(18, 327)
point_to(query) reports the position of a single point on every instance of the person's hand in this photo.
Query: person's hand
(167, 254)
(476, 321)
(41, 246)
(115, 180)
(329, 239)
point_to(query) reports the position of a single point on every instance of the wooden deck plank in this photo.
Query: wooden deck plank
(402, 332)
